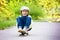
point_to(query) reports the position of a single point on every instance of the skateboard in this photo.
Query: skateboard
(29, 29)
(23, 33)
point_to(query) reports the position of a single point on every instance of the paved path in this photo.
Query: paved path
(40, 31)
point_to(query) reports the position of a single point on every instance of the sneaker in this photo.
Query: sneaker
(19, 30)
(25, 29)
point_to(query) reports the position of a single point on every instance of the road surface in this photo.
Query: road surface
(40, 31)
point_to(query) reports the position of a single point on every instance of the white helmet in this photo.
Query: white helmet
(24, 8)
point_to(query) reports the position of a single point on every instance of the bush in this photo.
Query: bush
(6, 24)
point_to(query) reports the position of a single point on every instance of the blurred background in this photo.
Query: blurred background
(40, 10)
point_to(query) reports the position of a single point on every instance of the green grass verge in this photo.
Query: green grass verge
(6, 24)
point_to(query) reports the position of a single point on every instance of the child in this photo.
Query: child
(24, 21)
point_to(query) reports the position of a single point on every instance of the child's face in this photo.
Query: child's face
(24, 12)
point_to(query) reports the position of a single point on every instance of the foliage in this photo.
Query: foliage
(39, 9)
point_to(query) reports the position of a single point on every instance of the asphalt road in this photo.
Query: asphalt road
(40, 31)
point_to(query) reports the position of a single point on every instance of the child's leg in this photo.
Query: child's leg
(19, 23)
(28, 22)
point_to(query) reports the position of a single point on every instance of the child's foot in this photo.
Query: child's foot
(25, 30)
(19, 30)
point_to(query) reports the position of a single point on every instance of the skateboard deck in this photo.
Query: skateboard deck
(29, 29)
(23, 33)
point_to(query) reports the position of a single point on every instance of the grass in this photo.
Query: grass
(6, 24)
